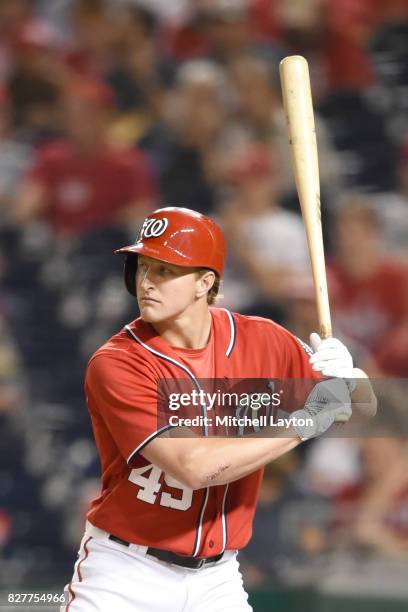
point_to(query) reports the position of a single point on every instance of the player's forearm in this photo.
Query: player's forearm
(199, 462)
(215, 461)
(219, 462)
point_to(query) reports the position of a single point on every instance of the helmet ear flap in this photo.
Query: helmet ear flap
(130, 273)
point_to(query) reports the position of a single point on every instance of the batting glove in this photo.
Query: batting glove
(328, 402)
(331, 357)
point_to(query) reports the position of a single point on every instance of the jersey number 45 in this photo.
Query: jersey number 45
(150, 487)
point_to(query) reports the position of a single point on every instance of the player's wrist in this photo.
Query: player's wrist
(328, 402)
(304, 429)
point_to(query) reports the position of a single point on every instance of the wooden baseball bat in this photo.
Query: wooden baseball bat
(297, 102)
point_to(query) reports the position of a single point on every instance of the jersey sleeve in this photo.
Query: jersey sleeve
(297, 354)
(300, 378)
(124, 396)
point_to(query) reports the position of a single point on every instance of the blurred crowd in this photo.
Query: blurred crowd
(111, 108)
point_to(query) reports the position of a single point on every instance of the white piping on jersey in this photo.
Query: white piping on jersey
(174, 362)
(200, 522)
(194, 379)
(147, 440)
(224, 520)
(197, 384)
(232, 328)
(227, 353)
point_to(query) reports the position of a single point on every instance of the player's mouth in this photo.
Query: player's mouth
(148, 300)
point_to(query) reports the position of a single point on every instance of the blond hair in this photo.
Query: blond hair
(212, 294)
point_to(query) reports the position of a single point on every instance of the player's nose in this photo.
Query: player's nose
(143, 277)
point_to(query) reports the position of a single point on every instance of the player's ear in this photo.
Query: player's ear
(205, 280)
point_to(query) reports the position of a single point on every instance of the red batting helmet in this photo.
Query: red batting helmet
(177, 236)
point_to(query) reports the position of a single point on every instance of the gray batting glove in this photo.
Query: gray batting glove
(328, 402)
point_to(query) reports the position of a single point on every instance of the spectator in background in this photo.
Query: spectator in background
(368, 289)
(259, 116)
(187, 147)
(97, 29)
(12, 422)
(389, 55)
(301, 311)
(13, 15)
(373, 514)
(342, 79)
(268, 242)
(264, 19)
(11, 372)
(226, 26)
(140, 69)
(139, 76)
(119, 43)
(34, 82)
(331, 465)
(392, 209)
(14, 158)
(222, 30)
(81, 182)
(289, 527)
(337, 58)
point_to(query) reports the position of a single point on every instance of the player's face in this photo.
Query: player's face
(165, 291)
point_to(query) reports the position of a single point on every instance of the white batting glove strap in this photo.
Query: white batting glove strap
(328, 402)
(331, 357)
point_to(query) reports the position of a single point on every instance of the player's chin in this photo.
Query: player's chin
(150, 313)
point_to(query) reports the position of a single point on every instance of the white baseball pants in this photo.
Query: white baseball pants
(110, 577)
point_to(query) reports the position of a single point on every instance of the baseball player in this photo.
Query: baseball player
(174, 509)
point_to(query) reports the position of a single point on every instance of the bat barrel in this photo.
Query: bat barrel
(297, 102)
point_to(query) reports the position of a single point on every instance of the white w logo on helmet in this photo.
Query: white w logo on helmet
(152, 228)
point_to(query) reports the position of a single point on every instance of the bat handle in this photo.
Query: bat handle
(325, 331)
(322, 301)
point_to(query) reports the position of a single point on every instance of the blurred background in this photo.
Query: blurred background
(109, 109)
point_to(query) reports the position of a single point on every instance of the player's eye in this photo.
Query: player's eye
(164, 271)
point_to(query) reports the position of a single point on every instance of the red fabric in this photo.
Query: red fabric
(369, 309)
(392, 356)
(121, 389)
(348, 65)
(255, 162)
(381, 11)
(84, 192)
(351, 15)
(184, 42)
(5, 527)
(264, 19)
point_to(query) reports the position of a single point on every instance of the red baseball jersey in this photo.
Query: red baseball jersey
(138, 502)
